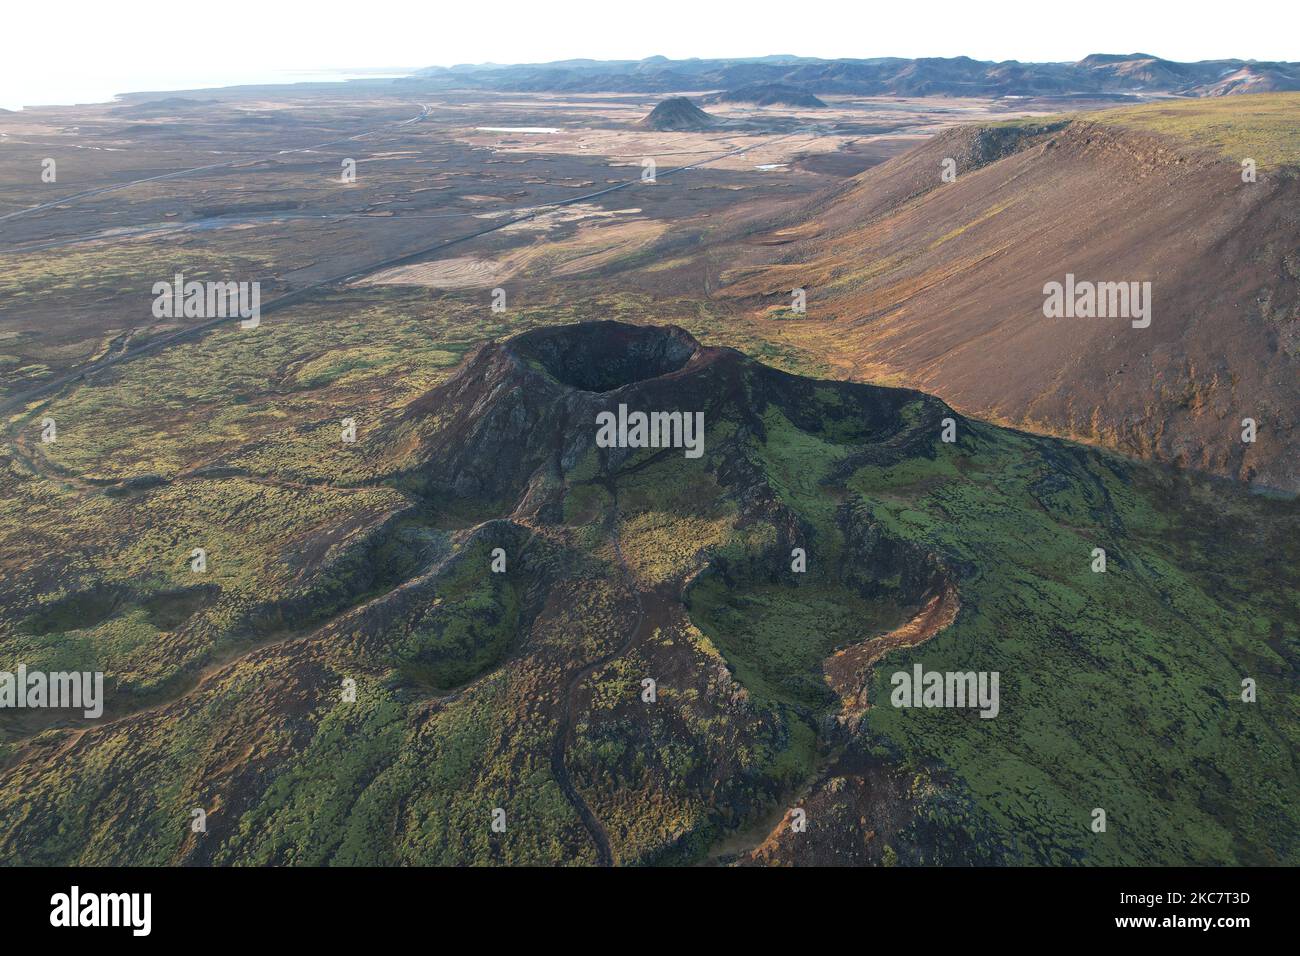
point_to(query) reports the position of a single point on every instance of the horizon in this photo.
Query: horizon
(877, 454)
(206, 82)
(828, 59)
(107, 52)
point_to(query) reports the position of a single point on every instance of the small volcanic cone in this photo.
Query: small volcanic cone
(678, 114)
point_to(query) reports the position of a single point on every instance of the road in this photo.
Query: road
(645, 618)
(19, 400)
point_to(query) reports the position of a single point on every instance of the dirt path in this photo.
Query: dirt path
(219, 661)
(564, 736)
(848, 673)
(51, 388)
(41, 466)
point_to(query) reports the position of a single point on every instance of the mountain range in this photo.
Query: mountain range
(1098, 73)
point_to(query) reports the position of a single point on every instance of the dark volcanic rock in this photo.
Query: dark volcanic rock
(528, 406)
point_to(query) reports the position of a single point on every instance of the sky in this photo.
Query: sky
(87, 50)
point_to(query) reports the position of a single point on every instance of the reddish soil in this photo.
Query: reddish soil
(939, 286)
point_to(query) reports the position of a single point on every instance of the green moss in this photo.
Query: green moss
(1263, 126)
(469, 626)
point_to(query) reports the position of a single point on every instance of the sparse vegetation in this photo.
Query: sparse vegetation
(474, 608)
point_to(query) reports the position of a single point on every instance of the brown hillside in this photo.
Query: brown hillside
(939, 286)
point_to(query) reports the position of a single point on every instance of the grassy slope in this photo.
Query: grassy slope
(1119, 690)
(1262, 126)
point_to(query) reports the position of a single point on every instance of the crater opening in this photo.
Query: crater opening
(810, 647)
(77, 611)
(168, 610)
(603, 356)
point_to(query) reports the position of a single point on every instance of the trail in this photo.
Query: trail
(848, 672)
(18, 400)
(42, 466)
(563, 736)
(185, 684)
(642, 625)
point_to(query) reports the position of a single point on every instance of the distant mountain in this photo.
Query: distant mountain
(771, 94)
(1102, 73)
(163, 107)
(678, 113)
